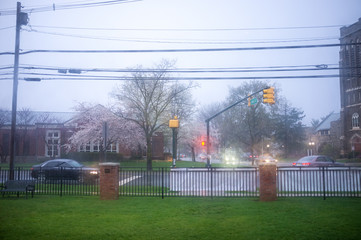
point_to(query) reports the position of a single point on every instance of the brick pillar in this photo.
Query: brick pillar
(268, 184)
(109, 181)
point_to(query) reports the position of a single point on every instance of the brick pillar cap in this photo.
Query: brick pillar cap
(109, 164)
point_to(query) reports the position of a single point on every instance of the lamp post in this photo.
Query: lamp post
(174, 125)
(311, 144)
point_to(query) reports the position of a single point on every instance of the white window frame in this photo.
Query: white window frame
(95, 147)
(52, 146)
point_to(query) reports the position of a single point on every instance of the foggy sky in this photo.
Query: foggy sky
(278, 19)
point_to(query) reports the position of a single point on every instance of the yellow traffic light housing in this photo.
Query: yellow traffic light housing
(268, 95)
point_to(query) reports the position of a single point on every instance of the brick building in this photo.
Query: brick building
(350, 88)
(42, 135)
(38, 134)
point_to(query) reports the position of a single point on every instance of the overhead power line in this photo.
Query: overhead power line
(4, 28)
(184, 50)
(183, 41)
(181, 78)
(187, 29)
(66, 70)
(56, 7)
(42, 67)
(289, 68)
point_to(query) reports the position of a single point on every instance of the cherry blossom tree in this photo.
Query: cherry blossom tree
(90, 123)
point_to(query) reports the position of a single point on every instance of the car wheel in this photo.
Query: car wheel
(41, 177)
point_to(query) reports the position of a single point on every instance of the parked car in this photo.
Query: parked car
(265, 160)
(317, 161)
(63, 169)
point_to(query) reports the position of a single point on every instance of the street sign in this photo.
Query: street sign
(253, 101)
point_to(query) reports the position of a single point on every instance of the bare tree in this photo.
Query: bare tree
(5, 117)
(147, 98)
(25, 118)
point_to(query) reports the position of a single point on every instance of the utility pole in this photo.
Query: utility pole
(21, 19)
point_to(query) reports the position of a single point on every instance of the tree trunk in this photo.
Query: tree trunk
(193, 155)
(149, 153)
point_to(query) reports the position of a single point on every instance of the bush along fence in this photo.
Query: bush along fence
(205, 182)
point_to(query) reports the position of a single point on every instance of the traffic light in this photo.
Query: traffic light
(249, 101)
(268, 95)
(203, 143)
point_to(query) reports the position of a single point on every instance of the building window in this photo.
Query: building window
(324, 132)
(96, 147)
(87, 147)
(355, 120)
(52, 143)
(112, 148)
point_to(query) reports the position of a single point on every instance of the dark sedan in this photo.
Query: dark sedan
(316, 161)
(63, 169)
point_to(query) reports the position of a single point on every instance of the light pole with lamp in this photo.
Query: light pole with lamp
(311, 144)
(174, 125)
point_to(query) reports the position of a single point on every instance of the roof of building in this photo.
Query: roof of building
(38, 117)
(326, 123)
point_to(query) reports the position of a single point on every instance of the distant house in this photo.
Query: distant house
(41, 135)
(328, 132)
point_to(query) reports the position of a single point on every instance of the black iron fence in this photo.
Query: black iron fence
(211, 182)
(56, 183)
(321, 181)
(237, 182)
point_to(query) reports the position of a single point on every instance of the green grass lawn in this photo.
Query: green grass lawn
(50, 217)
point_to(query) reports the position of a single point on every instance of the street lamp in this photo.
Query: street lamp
(310, 144)
(174, 125)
